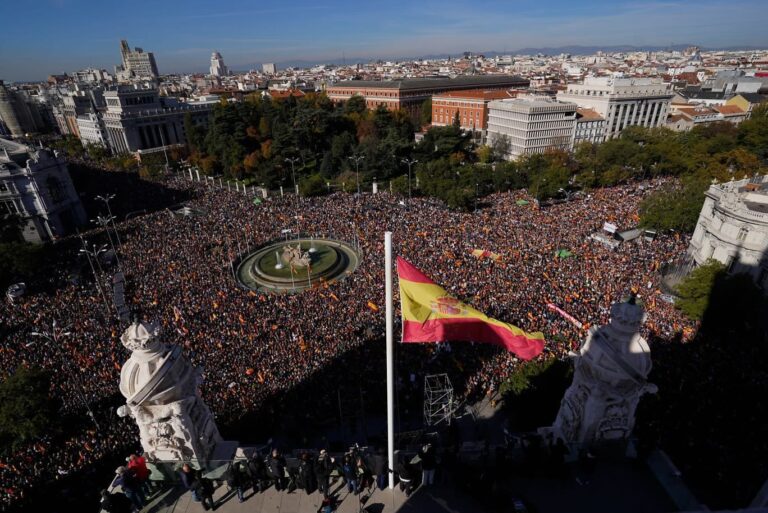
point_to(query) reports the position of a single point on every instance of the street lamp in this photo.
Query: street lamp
(94, 254)
(104, 221)
(52, 338)
(409, 163)
(106, 198)
(293, 161)
(356, 160)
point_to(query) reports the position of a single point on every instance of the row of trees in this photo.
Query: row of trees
(335, 146)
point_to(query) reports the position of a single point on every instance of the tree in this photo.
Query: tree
(753, 133)
(501, 146)
(696, 288)
(313, 185)
(675, 207)
(26, 410)
(21, 261)
(355, 105)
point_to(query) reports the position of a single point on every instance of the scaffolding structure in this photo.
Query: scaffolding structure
(439, 404)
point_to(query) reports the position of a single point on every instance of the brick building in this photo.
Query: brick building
(409, 93)
(471, 106)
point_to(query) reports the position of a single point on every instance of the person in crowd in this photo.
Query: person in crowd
(349, 472)
(277, 470)
(129, 483)
(364, 475)
(428, 464)
(139, 465)
(115, 502)
(380, 468)
(406, 475)
(189, 478)
(237, 479)
(257, 469)
(323, 469)
(204, 489)
(306, 476)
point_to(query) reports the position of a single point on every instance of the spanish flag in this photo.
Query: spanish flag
(431, 315)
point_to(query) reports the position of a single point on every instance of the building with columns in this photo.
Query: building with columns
(91, 129)
(733, 228)
(532, 124)
(622, 102)
(139, 119)
(35, 185)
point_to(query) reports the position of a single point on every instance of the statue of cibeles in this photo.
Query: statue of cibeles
(610, 376)
(161, 390)
(293, 256)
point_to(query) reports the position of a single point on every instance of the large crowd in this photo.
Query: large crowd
(255, 346)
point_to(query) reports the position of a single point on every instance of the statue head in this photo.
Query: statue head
(141, 336)
(627, 317)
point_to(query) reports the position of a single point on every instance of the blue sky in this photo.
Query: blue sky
(41, 37)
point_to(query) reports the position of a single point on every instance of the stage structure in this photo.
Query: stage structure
(439, 403)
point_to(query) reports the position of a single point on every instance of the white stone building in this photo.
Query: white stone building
(532, 124)
(590, 127)
(622, 102)
(35, 185)
(269, 68)
(218, 68)
(91, 130)
(733, 228)
(137, 62)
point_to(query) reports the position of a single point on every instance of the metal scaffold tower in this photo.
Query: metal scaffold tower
(438, 400)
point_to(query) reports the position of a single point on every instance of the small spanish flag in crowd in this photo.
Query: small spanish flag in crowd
(430, 314)
(484, 253)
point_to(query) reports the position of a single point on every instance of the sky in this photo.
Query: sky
(43, 37)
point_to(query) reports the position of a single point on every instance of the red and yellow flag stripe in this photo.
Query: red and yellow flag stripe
(430, 314)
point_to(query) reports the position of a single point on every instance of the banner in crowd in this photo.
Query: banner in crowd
(563, 253)
(565, 315)
(482, 253)
(430, 314)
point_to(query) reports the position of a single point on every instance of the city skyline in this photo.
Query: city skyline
(71, 34)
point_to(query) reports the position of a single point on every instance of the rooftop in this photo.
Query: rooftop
(588, 115)
(407, 84)
(480, 94)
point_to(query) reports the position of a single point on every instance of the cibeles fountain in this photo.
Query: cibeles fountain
(161, 390)
(610, 377)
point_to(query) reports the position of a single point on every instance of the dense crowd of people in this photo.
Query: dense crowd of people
(255, 346)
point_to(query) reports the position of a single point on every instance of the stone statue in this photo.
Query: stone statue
(610, 372)
(161, 390)
(293, 256)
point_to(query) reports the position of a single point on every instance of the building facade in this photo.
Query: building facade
(35, 185)
(269, 68)
(733, 228)
(91, 129)
(622, 102)
(137, 62)
(218, 68)
(409, 94)
(531, 124)
(18, 113)
(139, 119)
(590, 127)
(471, 107)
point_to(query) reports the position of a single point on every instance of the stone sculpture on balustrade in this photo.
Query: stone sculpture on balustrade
(610, 376)
(161, 388)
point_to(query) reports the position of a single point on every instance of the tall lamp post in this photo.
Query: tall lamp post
(106, 198)
(409, 163)
(95, 253)
(104, 221)
(52, 338)
(356, 159)
(293, 161)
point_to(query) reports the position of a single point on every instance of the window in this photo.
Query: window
(8, 208)
(3, 187)
(743, 233)
(55, 189)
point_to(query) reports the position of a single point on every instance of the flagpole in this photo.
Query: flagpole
(390, 359)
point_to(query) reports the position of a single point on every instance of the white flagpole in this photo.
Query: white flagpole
(390, 359)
